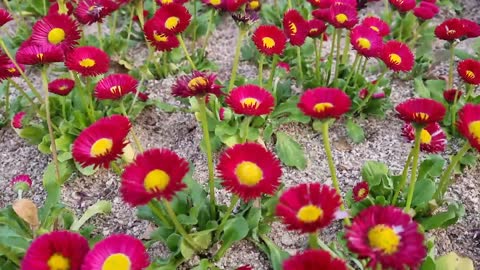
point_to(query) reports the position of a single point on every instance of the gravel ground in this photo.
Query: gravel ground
(180, 132)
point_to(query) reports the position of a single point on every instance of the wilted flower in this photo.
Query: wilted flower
(196, 84)
(21, 182)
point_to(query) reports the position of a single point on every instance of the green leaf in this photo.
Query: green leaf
(50, 175)
(100, 207)
(443, 219)
(431, 167)
(172, 242)
(452, 261)
(235, 230)
(33, 134)
(186, 251)
(89, 170)
(355, 132)
(420, 88)
(423, 193)
(436, 87)
(275, 254)
(289, 151)
(373, 171)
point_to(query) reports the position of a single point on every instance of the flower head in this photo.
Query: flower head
(295, 27)
(403, 5)
(432, 138)
(9, 70)
(174, 18)
(33, 54)
(117, 252)
(250, 100)
(56, 30)
(468, 124)
(18, 119)
(92, 11)
(308, 207)
(397, 56)
(21, 182)
(366, 41)
(245, 267)
(426, 10)
(322, 4)
(168, 2)
(343, 16)
(196, 84)
(115, 86)
(56, 250)
(158, 37)
(360, 191)
(102, 142)
(249, 170)
(313, 259)
(88, 61)
(156, 173)
(472, 29)
(269, 39)
(232, 5)
(421, 111)
(450, 29)
(377, 24)
(61, 87)
(316, 28)
(469, 71)
(324, 103)
(4, 17)
(217, 4)
(451, 95)
(387, 236)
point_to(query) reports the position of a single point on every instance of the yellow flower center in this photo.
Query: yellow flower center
(268, 42)
(196, 82)
(11, 70)
(374, 28)
(384, 238)
(321, 107)
(156, 180)
(474, 129)
(451, 32)
(58, 262)
(101, 147)
(341, 18)
(40, 56)
(421, 116)
(293, 27)
(250, 103)
(395, 58)
(160, 38)
(364, 43)
(116, 89)
(117, 261)
(248, 173)
(313, 30)
(310, 213)
(254, 4)
(215, 2)
(470, 74)
(56, 35)
(63, 87)
(172, 22)
(361, 192)
(167, 2)
(425, 137)
(87, 63)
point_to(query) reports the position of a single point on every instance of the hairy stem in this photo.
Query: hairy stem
(413, 177)
(233, 75)
(403, 179)
(185, 51)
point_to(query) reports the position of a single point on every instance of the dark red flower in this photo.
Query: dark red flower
(173, 18)
(403, 5)
(18, 119)
(322, 14)
(232, 5)
(295, 27)
(313, 259)
(468, 124)
(196, 84)
(250, 100)
(9, 70)
(245, 267)
(426, 10)
(397, 56)
(451, 95)
(366, 41)
(158, 37)
(269, 39)
(472, 29)
(88, 61)
(360, 191)
(324, 103)
(33, 54)
(115, 86)
(343, 16)
(4, 17)
(469, 71)
(91, 11)
(316, 28)
(421, 111)
(323, 4)
(377, 24)
(450, 29)
(61, 87)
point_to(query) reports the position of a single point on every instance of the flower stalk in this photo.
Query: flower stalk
(179, 227)
(227, 214)
(242, 32)
(403, 179)
(185, 51)
(413, 177)
(450, 69)
(272, 72)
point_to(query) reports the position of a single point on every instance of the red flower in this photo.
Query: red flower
(33, 54)
(173, 18)
(432, 138)
(250, 100)
(360, 191)
(377, 24)
(156, 35)
(245, 267)
(452, 94)
(56, 250)
(324, 103)
(323, 4)
(18, 119)
(21, 182)
(196, 84)
(269, 39)
(397, 56)
(472, 29)
(295, 27)
(91, 11)
(61, 87)
(343, 16)
(217, 4)
(426, 10)
(88, 61)
(4, 17)
(387, 236)
(56, 30)
(8, 69)
(469, 70)
(117, 252)
(450, 29)
(366, 41)
(141, 95)
(232, 5)
(284, 65)
(249, 170)
(115, 86)
(102, 142)
(168, 2)
(316, 28)
(364, 93)
(313, 259)
(421, 111)
(308, 207)
(403, 5)
(322, 14)
(468, 124)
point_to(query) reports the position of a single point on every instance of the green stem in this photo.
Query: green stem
(209, 31)
(445, 178)
(388, 12)
(413, 177)
(7, 99)
(155, 207)
(337, 57)
(227, 214)
(450, 70)
(20, 89)
(272, 72)
(116, 168)
(179, 226)
(354, 68)
(208, 147)
(331, 165)
(260, 70)
(194, 24)
(185, 51)
(346, 49)
(330, 57)
(62, 7)
(89, 97)
(371, 90)
(113, 26)
(64, 113)
(129, 28)
(313, 241)
(299, 63)
(246, 126)
(45, 11)
(132, 131)
(100, 34)
(139, 11)
(469, 88)
(165, 64)
(403, 179)
(9, 254)
(364, 67)
(241, 34)
(317, 60)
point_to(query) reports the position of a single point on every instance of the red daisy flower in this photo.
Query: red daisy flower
(115, 86)
(343, 16)
(324, 103)
(88, 61)
(117, 252)
(245, 267)
(322, 14)
(57, 30)
(233, 5)
(168, 2)
(468, 124)
(313, 259)
(54, 9)
(364, 93)
(397, 56)
(450, 29)
(250, 100)
(360, 191)
(469, 70)
(4, 17)
(156, 173)
(432, 138)
(377, 24)
(9, 70)
(322, 4)
(421, 111)
(174, 18)
(316, 28)
(295, 27)
(451, 95)
(352, 3)
(249, 170)
(269, 39)
(308, 207)
(285, 66)
(196, 84)
(91, 11)
(403, 5)
(17, 120)
(21, 182)
(102, 142)
(426, 10)
(156, 35)
(56, 250)
(33, 54)
(217, 4)
(472, 29)
(366, 41)
(61, 87)
(387, 236)
(141, 95)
